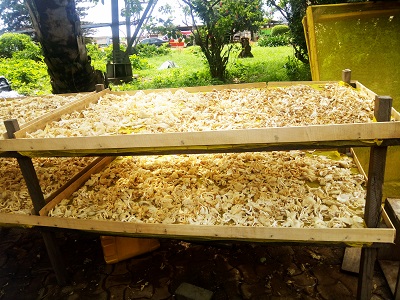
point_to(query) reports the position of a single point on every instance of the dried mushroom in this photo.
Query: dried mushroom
(52, 174)
(181, 111)
(277, 189)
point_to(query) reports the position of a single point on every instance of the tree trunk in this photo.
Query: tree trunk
(58, 29)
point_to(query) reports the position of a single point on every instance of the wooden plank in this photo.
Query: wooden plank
(35, 192)
(351, 260)
(350, 236)
(391, 271)
(373, 202)
(196, 89)
(28, 170)
(276, 84)
(358, 164)
(367, 265)
(74, 184)
(41, 122)
(368, 134)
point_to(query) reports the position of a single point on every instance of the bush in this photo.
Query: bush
(96, 53)
(139, 63)
(19, 46)
(274, 41)
(26, 76)
(109, 51)
(296, 70)
(279, 30)
(145, 50)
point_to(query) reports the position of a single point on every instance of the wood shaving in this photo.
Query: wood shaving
(274, 189)
(217, 110)
(52, 174)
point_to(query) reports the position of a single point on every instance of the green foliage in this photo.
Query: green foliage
(296, 70)
(139, 63)
(294, 11)
(14, 15)
(109, 51)
(274, 41)
(26, 76)
(95, 52)
(145, 50)
(269, 64)
(19, 46)
(279, 30)
(221, 20)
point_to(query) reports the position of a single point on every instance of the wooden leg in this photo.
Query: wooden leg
(397, 287)
(367, 266)
(36, 194)
(55, 255)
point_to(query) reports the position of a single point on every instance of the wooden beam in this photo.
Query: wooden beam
(360, 134)
(36, 194)
(350, 236)
(373, 205)
(75, 183)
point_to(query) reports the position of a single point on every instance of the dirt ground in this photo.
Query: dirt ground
(229, 271)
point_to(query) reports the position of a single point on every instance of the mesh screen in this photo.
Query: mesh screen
(365, 38)
(362, 37)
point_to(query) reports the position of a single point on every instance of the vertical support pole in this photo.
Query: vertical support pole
(115, 31)
(36, 194)
(373, 205)
(397, 287)
(99, 87)
(346, 76)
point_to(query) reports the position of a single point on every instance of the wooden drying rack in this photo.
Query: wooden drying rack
(377, 136)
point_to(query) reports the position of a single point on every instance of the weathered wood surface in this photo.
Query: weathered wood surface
(315, 136)
(198, 89)
(351, 236)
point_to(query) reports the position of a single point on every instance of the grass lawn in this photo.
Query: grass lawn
(268, 64)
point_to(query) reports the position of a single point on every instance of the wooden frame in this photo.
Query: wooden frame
(375, 135)
(348, 236)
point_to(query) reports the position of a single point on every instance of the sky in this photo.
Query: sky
(102, 14)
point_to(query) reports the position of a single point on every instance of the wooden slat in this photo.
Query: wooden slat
(41, 122)
(351, 236)
(359, 166)
(74, 184)
(276, 84)
(359, 134)
(197, 89)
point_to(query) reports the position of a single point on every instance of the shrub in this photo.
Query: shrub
(296, 70)
(109, 51)
(96, 53)
(145, 50)
(26, 76)
(139, 63)
(274, 41)
(279, 30)
(19, 46)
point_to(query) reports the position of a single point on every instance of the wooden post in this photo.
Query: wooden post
(346, 76)
(373, 205)
(99, 87)
(36, 194)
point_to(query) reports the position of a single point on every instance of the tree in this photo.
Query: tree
(17, 45)
(58, 30)
(221, 20)
(15, 15)
(293, 11)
